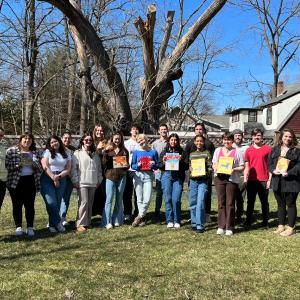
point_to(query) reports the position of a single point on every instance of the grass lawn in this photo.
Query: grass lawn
(147, 263)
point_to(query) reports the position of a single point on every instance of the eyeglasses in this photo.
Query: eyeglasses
(88, 140)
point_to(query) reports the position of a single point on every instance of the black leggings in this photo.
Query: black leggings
(289, 200)
(23, 194)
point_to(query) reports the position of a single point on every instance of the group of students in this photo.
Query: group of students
(101, 170)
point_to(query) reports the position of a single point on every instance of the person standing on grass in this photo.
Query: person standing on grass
(198, 182)
(131, 145)
(3, 171)
(23, 180)
(227, 165)
(239, 200)
(286, 180)
(100, 195)
(144, 162)
(65, 202)
(115, 180)
(57, 165)
(257, 177)
(199, 128)
(159, 145)
(86, 174)
(172, 181)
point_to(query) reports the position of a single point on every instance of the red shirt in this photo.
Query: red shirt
(257, 159)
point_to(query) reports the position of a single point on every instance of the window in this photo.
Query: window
(235, 117)
(252, 116)
(269, 115)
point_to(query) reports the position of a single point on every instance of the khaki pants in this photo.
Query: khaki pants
(85, 206)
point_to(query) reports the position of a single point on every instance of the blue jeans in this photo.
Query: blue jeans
(112, 187)
(159, 195)
(52, 196)
(172, 189)
(198, 192)
(65, 202)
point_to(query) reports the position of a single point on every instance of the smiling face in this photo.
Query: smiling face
(54, 144)
(66, 140)
(257, 138)
(116, 140)
(163, 131)
(199, 142)
(173, 142)
(238, 137)
(134, 131)
(88, 141)
(227, 143)
(99, 132)
(199, 130)
(26, 142)
(287, 139)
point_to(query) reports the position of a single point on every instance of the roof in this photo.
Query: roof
(287, 118)
(221, 120)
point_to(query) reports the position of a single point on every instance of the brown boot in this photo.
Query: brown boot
(136, 221)
(288, 231)
(279, 229)
(81, 229)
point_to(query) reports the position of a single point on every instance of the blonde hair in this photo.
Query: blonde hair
(142, 137)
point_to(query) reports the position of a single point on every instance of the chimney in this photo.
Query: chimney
(280, 88)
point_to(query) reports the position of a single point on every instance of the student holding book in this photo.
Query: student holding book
(284, 164)
(144, 162)
(115, 163)
(200, 171)
(227, 165)
(173, 165)
(23, 180)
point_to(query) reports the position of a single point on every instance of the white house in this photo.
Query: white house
(282, 111)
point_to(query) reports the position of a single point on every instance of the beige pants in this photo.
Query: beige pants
(85, 205)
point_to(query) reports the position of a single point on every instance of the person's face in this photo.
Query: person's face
(116, 139)
(199, 142)
(163, 131)
(66, 140)
(287, 139)
(227, 143)
(99, 132)
(257, 138)
(134, 131)
(88, 141)
(54, 144)
(173, 141)
(238, 138)
(199, 130)
(1, 134)
(142, 142)
(26, 142)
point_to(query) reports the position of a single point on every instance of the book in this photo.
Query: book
(225, 164)
(145, 163)
(172, 161)
(198, 167)
(282, 164)
(120, 162)
(26, 159)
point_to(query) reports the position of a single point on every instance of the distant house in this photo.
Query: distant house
(272, 116)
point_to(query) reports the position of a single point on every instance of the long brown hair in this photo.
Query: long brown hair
(291, 131)
(30, 135)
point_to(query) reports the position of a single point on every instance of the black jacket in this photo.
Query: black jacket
(290, 183)
(207, 144)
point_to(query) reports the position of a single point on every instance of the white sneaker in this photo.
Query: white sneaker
(117, 224)
(170, 225)
(60, 228)
(127, 217)
(207, 218)
(19, 231)
(176, 225)
(52, 229)
(30, 232)
(48, 225)
(220, 231)
(64, 223)
(228, 232)
(108, 226)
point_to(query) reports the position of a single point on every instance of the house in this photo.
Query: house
(272, 116)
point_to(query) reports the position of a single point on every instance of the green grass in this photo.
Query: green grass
(146, 263)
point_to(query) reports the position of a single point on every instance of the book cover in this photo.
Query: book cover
(26, 159)
(172, 161)
(282, 164)
(198, 167)
(145, 163)
(119, 162)
(225, 164)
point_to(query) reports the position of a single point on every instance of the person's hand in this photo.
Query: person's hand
(164, 158)
(285, 174)
(55, 178)
(139, 164)
(56, 184)
(101, 145)
(276, 172)
(268, 185)
(109, 147)
(152, 162)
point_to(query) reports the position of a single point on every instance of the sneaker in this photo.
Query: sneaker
(143, 222)
(64, 223)
(127, 218)
(288, 231)
(200, 230)
(48, 225)
(136, 221)
(220, 231)
(52, 229)
(177, 225)
(170, 225)
(117, 224)
(108, 226)
(280, 228)
(81, 229)
(60, 228)
(19, 231)
(30, 232)
(228, 232)
(207, 218)
(194, 228)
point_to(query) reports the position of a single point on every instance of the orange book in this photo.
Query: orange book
(120, 162)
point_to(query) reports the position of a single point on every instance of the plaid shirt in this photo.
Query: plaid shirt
(14, 168)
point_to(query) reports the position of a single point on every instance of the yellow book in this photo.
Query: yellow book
(198, 167)
(225, 164)
(282, 164)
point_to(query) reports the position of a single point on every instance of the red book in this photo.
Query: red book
(145, 163)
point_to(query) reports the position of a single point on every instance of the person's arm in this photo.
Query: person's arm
(46, 168)
(246, 171)
(66, 170)
(99, 170)
(75, 171)
(155, 159)
(295, 170)
(134, 161)
(241, 162)
(12, 160)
